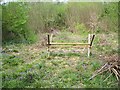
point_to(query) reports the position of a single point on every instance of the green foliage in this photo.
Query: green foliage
(69, 71)
(110, 12)
(15, 16)
(24, 21)
(60, 17)
(12, 61)
(81, 28)
(14, 84)
(28, 66)
(46, 16)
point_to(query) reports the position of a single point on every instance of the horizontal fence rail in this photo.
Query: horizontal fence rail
(82, 45)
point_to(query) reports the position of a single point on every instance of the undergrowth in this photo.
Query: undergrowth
(26, 67)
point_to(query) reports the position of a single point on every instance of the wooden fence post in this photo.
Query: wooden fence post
(88, 46)
(51, 38)
(92, 40)
(48, 45)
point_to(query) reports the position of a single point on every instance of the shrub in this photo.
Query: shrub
(15, 16)
(80, 28)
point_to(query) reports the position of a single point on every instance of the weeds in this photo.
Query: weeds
(65, 69)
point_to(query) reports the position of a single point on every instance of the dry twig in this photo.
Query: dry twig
(112, 67)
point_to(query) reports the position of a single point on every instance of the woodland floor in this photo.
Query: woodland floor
(28, 66)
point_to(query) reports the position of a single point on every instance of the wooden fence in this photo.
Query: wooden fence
(81, 45)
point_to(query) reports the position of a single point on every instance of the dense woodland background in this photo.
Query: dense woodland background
(25, 60)
(23, 22)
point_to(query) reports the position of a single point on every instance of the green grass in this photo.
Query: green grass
(26, 66)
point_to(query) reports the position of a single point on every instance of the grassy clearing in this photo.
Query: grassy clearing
(28, 66)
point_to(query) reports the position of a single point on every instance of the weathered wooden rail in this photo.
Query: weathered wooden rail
(81, 45)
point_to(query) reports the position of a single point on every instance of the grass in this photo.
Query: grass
(27, 66)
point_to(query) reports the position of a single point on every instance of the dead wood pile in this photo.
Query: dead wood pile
(112, 65)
